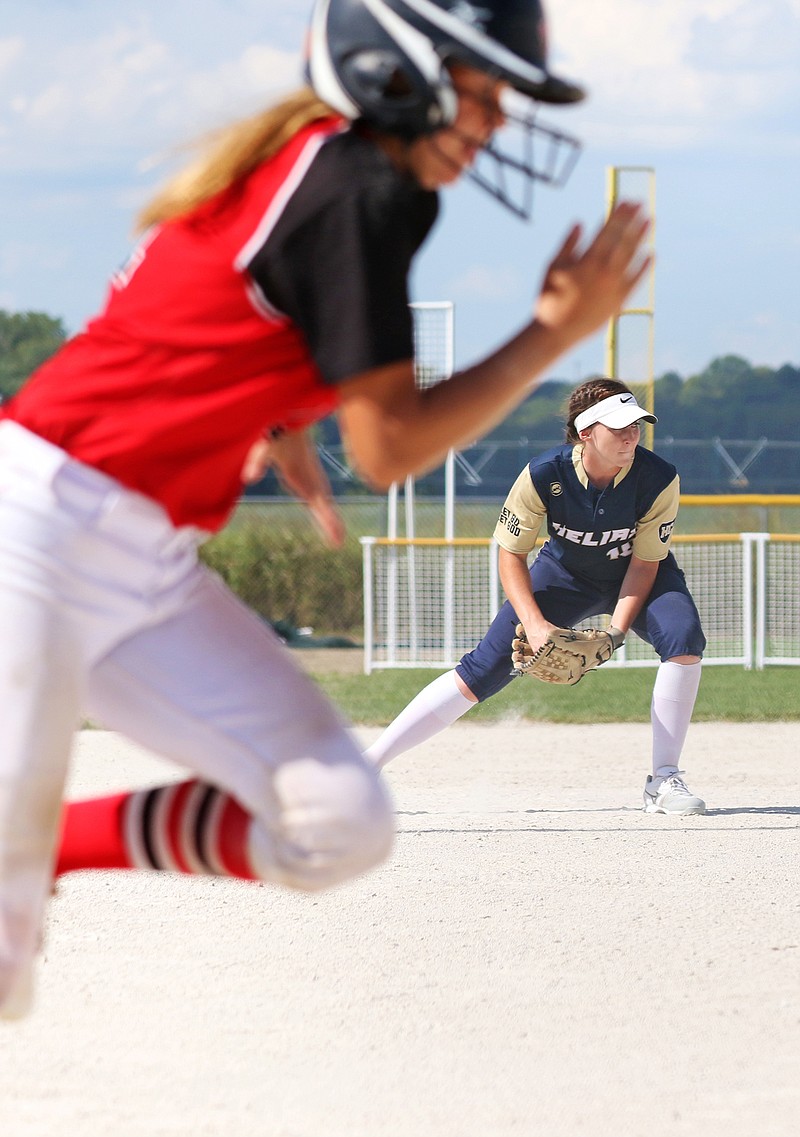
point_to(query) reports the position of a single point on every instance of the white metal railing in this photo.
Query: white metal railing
(428, 601)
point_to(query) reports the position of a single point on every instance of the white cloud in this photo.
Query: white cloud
(491, 283)
(10, 50)
(665, 73)
(237, 85)
(125, 87)
(682, 72)
(761, 36)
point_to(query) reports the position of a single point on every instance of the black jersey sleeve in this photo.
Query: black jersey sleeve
(338, 259)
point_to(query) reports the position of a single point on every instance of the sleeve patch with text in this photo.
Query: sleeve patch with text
(510, 521)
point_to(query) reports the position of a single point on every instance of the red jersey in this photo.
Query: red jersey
(239, 317)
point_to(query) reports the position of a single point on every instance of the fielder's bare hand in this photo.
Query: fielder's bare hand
(537, 631)
(392, 428)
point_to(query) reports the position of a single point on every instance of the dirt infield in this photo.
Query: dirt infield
(537, 958)
(339, 661)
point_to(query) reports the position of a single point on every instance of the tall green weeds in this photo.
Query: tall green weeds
(289, 577)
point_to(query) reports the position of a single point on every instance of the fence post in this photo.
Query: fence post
(369, 610)
(757, 542)
(494, 581)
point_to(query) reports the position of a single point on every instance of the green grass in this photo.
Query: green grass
(727, 694)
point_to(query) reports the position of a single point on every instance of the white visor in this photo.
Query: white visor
(616, 411)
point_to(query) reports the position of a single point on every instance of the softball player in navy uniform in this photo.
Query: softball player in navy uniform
(609, 506)
(269, 289)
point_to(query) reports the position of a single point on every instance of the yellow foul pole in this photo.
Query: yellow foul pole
(630, 358)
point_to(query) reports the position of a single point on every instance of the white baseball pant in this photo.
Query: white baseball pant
(104, 608)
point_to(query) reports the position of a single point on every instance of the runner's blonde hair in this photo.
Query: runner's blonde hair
(230, 153)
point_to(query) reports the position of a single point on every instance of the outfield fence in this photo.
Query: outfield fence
(427, 601)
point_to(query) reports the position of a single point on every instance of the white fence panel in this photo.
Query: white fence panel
(428, 601)
(777, 599)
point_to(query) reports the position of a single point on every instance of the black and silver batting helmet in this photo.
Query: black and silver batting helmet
(385, 62)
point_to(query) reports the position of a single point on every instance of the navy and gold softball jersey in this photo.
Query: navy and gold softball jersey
(241, 316)
(591, 536)
(592, 532)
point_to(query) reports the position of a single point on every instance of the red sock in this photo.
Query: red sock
(91, 835)
(189, 827)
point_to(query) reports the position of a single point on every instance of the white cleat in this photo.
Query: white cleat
(670, 794)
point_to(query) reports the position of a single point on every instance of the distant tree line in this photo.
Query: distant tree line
(26, 340)
(730, 428)
(729, 417)
(730, 399)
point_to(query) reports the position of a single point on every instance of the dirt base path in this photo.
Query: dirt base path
(537, 958)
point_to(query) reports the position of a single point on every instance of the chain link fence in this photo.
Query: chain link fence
(272, 556)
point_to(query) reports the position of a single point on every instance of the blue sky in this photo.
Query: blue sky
(96, 96)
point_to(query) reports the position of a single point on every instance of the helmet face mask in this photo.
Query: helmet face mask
(385, 62)
(524, 152)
